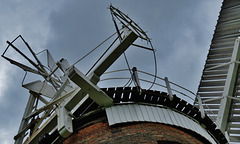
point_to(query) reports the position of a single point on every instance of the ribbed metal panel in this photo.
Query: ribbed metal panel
(213, 80)
(145, 113)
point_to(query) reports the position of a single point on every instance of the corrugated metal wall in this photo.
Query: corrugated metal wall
(145, 113)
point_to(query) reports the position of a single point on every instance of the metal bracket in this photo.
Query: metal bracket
(65, 127)
(168, 88)
(136, 79)
(201, 107)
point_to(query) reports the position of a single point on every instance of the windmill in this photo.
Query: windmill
(71, 100)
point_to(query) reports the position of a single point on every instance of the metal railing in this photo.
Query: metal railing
(164, 83)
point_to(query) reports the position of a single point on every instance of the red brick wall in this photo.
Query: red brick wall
(132, 133)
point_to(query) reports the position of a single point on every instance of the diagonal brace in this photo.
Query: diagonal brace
(95, 93)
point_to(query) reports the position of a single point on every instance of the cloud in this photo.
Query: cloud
(188, 42)
(6, 135)
(3, 86)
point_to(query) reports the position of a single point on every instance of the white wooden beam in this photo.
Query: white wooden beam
(225, 105)
(95, 93)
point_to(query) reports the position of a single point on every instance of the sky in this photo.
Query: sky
(180, 31)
